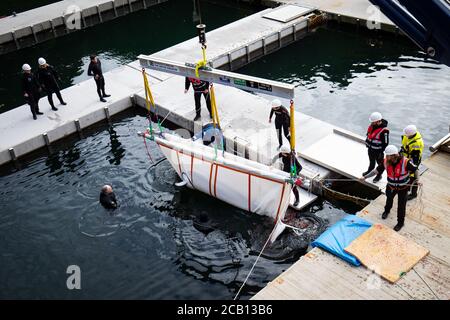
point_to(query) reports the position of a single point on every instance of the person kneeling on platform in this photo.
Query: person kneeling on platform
(108, 198)
(398, 170)
(288, 158)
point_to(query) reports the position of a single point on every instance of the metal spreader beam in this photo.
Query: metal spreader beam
(232, 79)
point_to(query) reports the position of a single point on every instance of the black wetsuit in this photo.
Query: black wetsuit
(31, 86)
(287, 168)
(376, 155)
(282, 121)
(199, 87)
(47, 78)
(95, 69)
(108, 200)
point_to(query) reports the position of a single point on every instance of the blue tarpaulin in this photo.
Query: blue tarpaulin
(340, 235)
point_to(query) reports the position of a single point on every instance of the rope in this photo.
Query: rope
(146, 148)
(256, 261)
(435, 295)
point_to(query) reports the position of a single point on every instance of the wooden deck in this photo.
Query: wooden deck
(320, 275)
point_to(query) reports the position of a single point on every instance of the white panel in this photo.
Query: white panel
(232, 187)
(266, 196)
(342, 155)
(287, 13)
(200, 176)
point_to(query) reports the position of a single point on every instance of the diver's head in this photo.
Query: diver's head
(107, 189)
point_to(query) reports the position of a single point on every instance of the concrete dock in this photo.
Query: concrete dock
(57, 19)
(358, 12)
(321, 275)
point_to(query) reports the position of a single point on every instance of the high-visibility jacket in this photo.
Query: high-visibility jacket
(409, 145)
(398, 175)
(375, 137)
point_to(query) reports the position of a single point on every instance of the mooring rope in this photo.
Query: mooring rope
(256, 261)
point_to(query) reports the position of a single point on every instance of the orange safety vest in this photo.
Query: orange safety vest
(398, 175)
(373, 140)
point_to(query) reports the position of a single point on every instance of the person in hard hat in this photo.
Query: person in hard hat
(200, 88)
(288, 158)
(377, 139)
(107, 197)
(412, 148)
(282, 120)
(31, 90)
(95, 70)
(47, 78)
(398, 170)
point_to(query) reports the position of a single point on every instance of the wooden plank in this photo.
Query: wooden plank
(386, 252)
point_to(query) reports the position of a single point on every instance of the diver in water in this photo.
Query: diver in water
(108, 198)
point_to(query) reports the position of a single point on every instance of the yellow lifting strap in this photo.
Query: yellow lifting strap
(201, 63)
(215, 114)
(149, 102)
(292, 125)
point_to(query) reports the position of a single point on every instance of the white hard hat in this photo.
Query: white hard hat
(410, 130)
(276, 103)
(41, 61)
(26, 67)
(391, 150)
(375, 116)
(285, 149)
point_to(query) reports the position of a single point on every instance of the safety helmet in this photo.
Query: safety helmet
(26, 67)
(391, 150)
(276, 103)
(41, 61)
(410, 130)
(375, 116)
(285, 149)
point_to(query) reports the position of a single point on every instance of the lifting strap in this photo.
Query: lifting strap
(292, 135)
(215, 117)
(149, 102)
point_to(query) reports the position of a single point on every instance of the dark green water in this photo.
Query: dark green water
(343, 76)
(149, 248)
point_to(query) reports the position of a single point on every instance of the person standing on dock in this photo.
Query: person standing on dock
(288, 158)
(398, 170)
(377, 139)
(95, 69)
(31, 90)
(200, 87)
(47, 78)
(412, 148)
(282, 121)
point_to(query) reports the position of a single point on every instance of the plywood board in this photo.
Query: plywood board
(386, 252)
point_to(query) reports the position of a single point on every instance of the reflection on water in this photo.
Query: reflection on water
(342, 76)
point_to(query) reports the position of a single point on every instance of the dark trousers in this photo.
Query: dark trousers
(198, 106)
(414, 186)
(285, 127)
(100, 82)
(297, 197)
(33, 101)
(401, 208)
(50, 92)
(375, 158)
